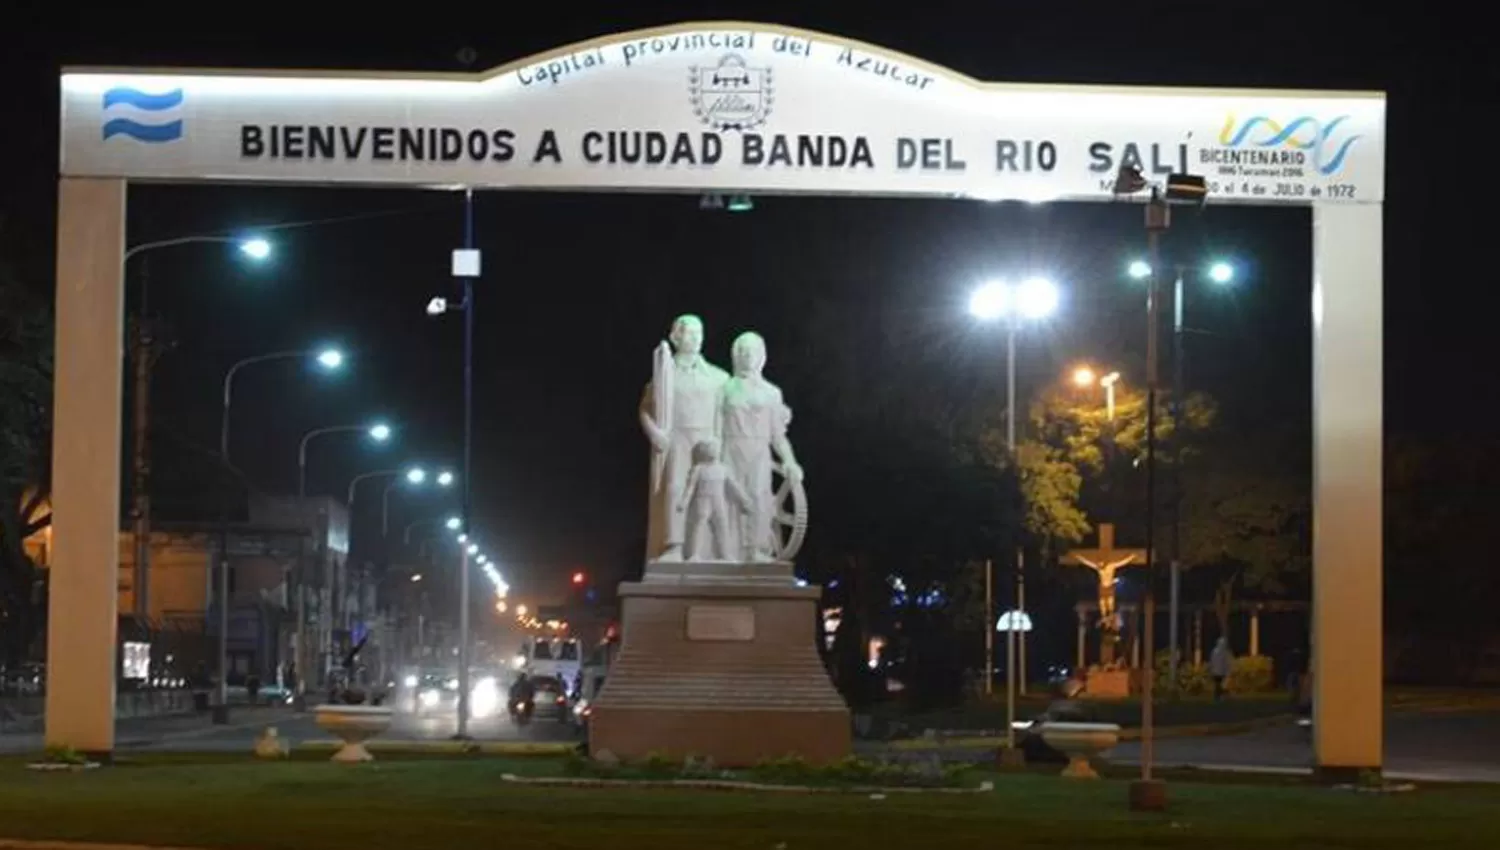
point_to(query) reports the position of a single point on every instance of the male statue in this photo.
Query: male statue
(754, 425)
(679, 409)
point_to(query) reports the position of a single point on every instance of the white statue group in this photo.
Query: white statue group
(716, 441)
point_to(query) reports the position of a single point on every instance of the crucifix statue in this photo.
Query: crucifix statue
(1104, 560)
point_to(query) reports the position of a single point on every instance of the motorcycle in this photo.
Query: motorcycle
(521, 710)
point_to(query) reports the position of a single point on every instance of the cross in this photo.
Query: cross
(1104, 560)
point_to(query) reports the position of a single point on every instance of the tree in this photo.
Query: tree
(1080, 463)
(1247, 516)
(25, 453)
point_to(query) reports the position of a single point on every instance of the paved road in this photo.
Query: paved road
(197, 733)
(1455, 745)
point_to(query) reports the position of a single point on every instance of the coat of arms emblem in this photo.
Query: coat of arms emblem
(731, 95)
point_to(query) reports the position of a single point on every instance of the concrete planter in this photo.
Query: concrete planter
(1080, 742)
(354, 725)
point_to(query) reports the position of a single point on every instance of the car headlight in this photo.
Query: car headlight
(410, 681)
(452, 684)
(488, 683)
(429, 698)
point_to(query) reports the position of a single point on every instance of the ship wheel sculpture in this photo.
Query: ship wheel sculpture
(789, 521)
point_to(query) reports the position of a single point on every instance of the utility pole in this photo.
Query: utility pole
(143, 343)
(144, 352)
(1147, 792)
(1175, 581)
(463, 556)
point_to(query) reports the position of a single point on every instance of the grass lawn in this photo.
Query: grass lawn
(459, 802)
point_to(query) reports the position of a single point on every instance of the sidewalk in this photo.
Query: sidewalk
(137, 732)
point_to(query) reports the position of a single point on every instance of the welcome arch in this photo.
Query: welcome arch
(719, 106)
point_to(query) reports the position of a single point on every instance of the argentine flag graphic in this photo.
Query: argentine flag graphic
(150, 118)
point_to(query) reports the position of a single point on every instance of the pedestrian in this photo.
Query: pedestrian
(1296, 668)
(1220, 662)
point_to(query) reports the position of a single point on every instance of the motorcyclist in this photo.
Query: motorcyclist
(522, 693)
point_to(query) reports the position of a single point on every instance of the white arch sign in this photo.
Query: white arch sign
(724, 106)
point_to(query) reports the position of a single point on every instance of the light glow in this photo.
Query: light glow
(256, 249)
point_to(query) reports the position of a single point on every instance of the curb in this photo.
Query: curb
(505, 748)
(736, 785)
(16, 844)
(1201, 730)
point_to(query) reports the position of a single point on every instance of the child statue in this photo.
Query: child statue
(706, 499)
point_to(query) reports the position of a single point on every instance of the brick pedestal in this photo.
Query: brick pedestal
(720, 661)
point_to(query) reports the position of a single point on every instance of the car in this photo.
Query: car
(431, 692)
(551, 698)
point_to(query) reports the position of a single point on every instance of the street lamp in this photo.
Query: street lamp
(454, 523)
(1221, 273)
(142, 345)
(222, 712)
(254, 248)
(465, 266)
(1084, 377)
(1178, 189)
(1034, 299)
(416, 476)
(379, 433)
(330, 359)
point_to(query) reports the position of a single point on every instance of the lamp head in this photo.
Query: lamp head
(1129, 180)
(445, 479)
(1037, 298)
(330, 358)
(380, 432)
(991, 300)
(437, 306)
(255, 249)
(416, 475)
(1221, 273)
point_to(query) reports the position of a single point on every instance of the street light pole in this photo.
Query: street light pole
(468, 473)
(1034, 299)
(145, 351)
(1175, 580)
(1157, 221)
(144, 348)
(318, 432)
(1016, 644)
(331, 359)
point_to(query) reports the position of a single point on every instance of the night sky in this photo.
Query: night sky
(578, 288)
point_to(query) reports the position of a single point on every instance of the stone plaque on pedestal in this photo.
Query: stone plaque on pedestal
(720, 622)
(720, 669)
